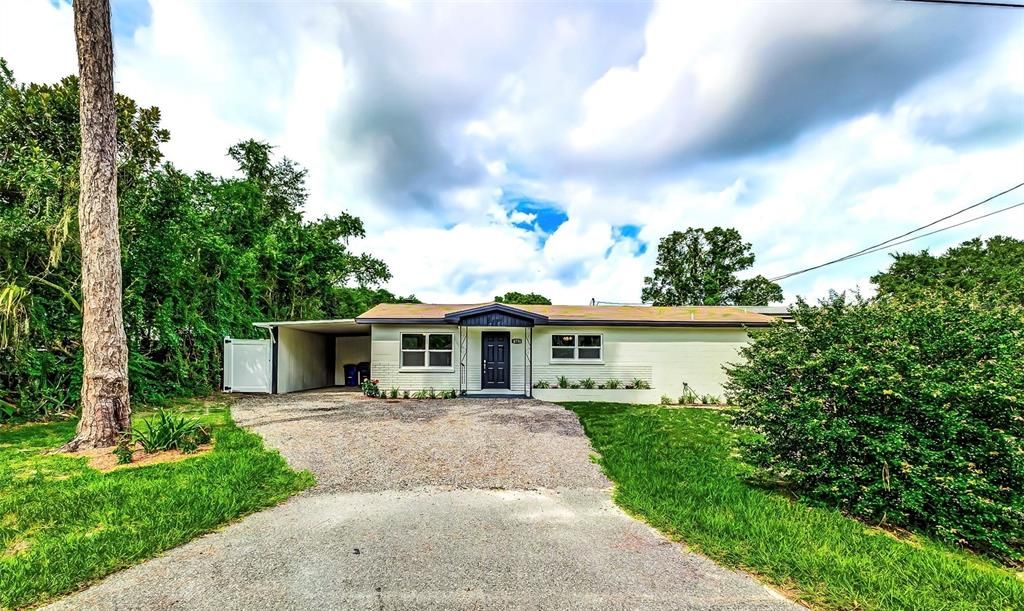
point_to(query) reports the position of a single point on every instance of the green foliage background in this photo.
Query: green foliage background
(517, 298)
(699, 267)
(903, 410)
(992, 270)
(203, 256)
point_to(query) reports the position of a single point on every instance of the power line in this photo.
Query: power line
(931, 224)
(971, 220)
(971, 3)
(892, 241)
(887, 245)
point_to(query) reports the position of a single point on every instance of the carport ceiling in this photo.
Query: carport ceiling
(338, 326)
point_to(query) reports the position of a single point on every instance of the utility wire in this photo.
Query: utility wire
(892, 239)
(970, 220)
(931, 224)
(889, 243)
(972, 3)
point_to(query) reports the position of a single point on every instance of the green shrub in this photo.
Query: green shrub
(542, 384)
(370, 387)
(168, 431)
(421, 394)
(711, 399)
(563, 382)
(392, 393)
(640, 384)
(123, 449)
(405, 394)
(896, 412)
(588, 383)
(688, 397)
(613, 384)
(666, 400)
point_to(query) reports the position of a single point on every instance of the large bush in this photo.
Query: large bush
(897, 412)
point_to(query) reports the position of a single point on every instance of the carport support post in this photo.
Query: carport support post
(273, 360)
(528, 362)
(463, 350)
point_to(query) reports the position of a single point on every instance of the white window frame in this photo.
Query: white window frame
(576, 360)
(426, 366)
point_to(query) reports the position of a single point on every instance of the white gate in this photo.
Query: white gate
(247, 365)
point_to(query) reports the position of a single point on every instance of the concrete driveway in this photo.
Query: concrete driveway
(465, 504)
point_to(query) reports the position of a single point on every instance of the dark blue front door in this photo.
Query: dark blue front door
(495, 359)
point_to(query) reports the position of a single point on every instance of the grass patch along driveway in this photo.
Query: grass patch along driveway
(63, 524)
(462, 504)
(676, 469)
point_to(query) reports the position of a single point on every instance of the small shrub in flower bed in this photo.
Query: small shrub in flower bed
(370, 387)
(688, 397)
(431, 393)
(169, 431)
(589, 384)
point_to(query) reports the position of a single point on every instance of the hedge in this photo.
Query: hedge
(907, 414)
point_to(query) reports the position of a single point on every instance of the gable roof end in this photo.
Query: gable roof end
(490, 308)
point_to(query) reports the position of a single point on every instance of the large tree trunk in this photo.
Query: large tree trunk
(106, 412)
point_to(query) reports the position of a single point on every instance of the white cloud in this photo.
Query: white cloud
(814, 129)
(38, 40)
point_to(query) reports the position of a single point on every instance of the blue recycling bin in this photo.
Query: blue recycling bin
(350, 375)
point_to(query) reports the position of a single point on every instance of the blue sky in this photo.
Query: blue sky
(548, 147)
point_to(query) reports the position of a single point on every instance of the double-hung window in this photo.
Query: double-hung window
(581, 347)
(427, 350)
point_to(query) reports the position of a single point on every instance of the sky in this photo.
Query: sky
(547, 147)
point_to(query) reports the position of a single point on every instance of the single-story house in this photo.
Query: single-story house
(501, 349)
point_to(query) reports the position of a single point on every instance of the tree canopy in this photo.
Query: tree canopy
(513, 297)
(203, 256)
(698, 267)
(992, 270)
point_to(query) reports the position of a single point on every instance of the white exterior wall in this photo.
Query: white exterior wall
(385, 363)
(385, 353)
(349, 350)
(301, 360)
(665, 357)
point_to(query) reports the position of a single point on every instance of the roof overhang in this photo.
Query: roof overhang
(337, 326)
(713, 324)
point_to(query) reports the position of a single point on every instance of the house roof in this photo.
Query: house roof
(675, 316)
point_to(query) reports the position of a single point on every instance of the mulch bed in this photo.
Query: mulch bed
(103, 459)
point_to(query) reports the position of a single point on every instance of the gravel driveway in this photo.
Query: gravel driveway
(357, 445)
(464, 504)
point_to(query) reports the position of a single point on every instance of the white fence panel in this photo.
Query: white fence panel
(247, 365)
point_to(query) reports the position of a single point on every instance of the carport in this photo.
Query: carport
(300, 355)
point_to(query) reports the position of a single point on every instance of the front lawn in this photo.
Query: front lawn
(677, 469)
(63, 524)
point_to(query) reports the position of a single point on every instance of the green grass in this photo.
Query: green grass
(63, 524)
(677, 469)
